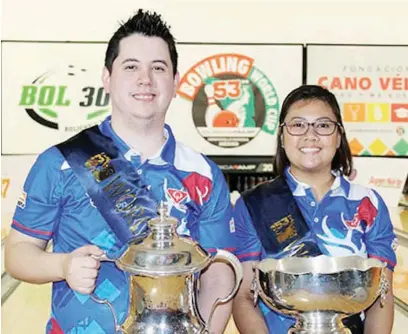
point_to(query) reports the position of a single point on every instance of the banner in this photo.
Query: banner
(371, 85)
(228, 99)
(50, 92)
(229, 96)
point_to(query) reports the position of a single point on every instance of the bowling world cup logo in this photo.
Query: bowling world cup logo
(65, 99)
(232, 100)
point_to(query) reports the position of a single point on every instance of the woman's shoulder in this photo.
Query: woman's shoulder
(359, 192)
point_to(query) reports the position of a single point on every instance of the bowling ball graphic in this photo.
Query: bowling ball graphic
(225, 119)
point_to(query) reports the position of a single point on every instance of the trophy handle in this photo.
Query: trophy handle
(104, 257)
(104, 301)
(257, 290)
(224, 256)
(384, 287)
(254, 286)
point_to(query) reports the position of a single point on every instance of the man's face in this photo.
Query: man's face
(141, 83)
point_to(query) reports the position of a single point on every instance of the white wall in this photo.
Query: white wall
(329, 21)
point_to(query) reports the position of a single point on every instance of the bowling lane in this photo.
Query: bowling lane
(26, 310)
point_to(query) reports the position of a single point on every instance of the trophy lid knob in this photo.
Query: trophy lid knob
(163, 209)
(163, 251)
(164, 219)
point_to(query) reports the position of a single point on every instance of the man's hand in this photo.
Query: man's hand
(80, 268)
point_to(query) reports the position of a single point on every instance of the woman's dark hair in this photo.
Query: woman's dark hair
(342, 160)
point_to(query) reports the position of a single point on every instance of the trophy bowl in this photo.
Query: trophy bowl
(319, 292)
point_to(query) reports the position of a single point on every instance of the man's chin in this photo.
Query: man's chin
(148, 116)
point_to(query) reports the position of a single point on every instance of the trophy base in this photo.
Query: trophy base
(164, 322)
(319, 323)
(319, 331)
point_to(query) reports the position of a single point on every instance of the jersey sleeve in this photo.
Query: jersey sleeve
(380, 238)
(216, 226)
(249, 246)
(38, 206)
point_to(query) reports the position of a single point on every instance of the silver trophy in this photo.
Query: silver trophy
(164, 270)
(319, 292)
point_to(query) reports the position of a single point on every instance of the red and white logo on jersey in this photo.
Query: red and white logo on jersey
(177, 195)
(366, 212)
(199, 187)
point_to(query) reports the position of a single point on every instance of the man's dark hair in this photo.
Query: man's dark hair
(342, 160)
(147, 24)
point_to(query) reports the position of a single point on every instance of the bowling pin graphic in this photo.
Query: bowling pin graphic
(238, 107)
(212, 108)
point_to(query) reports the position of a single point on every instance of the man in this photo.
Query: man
(141, 77)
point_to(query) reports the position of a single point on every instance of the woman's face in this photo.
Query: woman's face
(310, 152)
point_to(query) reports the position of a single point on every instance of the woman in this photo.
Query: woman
(329, 215)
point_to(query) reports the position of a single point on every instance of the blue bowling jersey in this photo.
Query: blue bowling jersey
(349, 220)
(54, 206)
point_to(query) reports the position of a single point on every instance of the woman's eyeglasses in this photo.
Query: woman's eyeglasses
(322, 128)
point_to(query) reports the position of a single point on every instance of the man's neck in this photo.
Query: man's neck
(145, 136)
